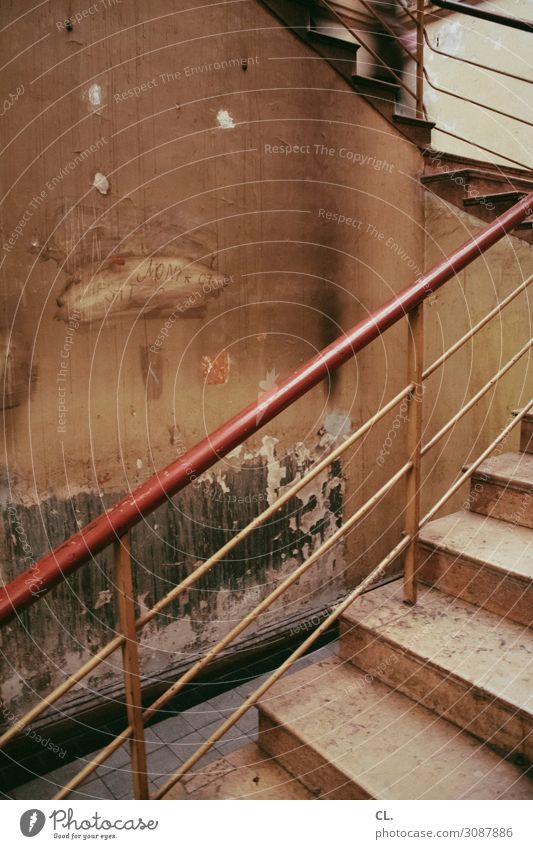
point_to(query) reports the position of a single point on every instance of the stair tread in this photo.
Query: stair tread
(244, 774)
(488, 541)
(512, 468)
(389, 745)
(465, 641)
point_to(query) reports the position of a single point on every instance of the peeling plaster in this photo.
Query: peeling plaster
(95, 95)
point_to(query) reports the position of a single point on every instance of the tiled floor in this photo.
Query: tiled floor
(168, 743)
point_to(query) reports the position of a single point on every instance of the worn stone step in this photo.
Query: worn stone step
(484, 561)
(346, 735)
(502, 487)
(466, 664)
(245, 774)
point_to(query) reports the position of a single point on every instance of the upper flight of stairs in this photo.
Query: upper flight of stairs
(431, 701)
(324, 33)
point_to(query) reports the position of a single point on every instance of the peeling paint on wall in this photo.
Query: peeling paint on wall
(156, 286)
(168, 546)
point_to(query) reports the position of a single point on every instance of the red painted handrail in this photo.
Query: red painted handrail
(98, 534)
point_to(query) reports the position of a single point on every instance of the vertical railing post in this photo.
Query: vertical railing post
(414, 447)
(130, 662)
(420, 58)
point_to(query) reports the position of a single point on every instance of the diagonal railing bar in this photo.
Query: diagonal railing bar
(472, 468)
(477, 397)
(473, 102)
(270, 511)
(389, 29)
(51, 569)
(263, 605)
(222, 552)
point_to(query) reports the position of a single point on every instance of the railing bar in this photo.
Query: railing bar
(476, 64)
(131, 665)
(475, 102)
(93, 764)
(297, 653)
(184, 679)
(147, 617)
(53, 567)
(414, 445)
(472, 332)
(485, 15)
(473, 401)
(62, 689)
(472, 468)
(115, 644)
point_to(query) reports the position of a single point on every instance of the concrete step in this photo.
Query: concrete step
(466, 664)
(484, 561)
(526, 433)
(347, 736)
(502, 487)
(245, 774)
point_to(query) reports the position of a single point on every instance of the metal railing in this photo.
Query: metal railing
(419, 18)
(113, 526)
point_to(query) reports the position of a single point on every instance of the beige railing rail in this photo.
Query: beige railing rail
(131, 629)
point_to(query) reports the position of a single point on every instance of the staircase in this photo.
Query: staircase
(433, 701)
(325, 34)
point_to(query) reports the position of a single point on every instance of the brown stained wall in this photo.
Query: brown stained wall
(298, 279)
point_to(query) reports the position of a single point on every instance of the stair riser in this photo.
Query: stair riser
(509, 597)
(469, 707)
(491, 498)
(526, 437)
(323, 779)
